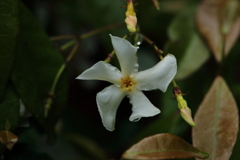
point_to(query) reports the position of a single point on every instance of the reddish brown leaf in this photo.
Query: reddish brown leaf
(8, 139)
(163, 146)
(211, 20)
(217, 122)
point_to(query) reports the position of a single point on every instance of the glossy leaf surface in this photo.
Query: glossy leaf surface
(217, 122)
(163, 146)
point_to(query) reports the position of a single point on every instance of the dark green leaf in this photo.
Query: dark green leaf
(37, 63)
(186, 44)
(9, 110)
(9, 27)
(23, 79)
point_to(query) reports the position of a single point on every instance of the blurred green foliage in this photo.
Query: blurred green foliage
(80, 131)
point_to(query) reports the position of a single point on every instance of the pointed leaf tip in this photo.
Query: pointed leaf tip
(163, 146)
(217, 36)
(8, 139)
(217, 121)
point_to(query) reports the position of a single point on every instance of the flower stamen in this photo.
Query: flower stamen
(127, 84)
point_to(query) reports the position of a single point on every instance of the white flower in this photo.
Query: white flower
(129, 82)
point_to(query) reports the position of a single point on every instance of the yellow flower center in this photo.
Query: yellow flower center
(127, 84)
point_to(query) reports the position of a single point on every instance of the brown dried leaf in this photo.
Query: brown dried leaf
(163, 146)
(208, 19)
(8, 139)
(217, 122)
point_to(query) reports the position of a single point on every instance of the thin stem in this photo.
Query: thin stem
(89, 34)
(62, 37)
(109, 57)
(72, 53)
(174, 83)
(65, 46)
(61, 69)
(159, 51)
(74, 41)
(222, 55)
(85, 35)
(68, 44)
(59, 73)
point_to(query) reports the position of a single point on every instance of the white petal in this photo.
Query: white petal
(23, 111)
(159, 76)
(108, 101)
(126, 54)
(142, 107)
(102, 71)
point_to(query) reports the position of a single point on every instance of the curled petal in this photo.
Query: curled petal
(159, 76)
(102, 71)
(108, 101)
(142, 107)
(126, 54)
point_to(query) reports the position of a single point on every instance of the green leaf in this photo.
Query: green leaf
(37, 63)
(9, 27)
(186, 44)
(24, 80)
(9, 110)
(217, 122)
(163, 146)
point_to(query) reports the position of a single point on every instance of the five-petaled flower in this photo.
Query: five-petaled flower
(129, 82)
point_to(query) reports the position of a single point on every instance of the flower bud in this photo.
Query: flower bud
(131, 19)
(185, 111)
